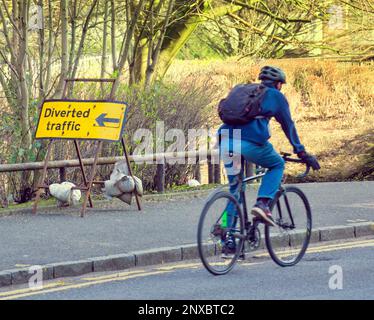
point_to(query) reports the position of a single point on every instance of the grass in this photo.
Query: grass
(99, 197)
(28, 205)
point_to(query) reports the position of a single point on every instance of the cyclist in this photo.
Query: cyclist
(253, 146)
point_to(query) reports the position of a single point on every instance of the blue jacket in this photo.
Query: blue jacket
(274, 104)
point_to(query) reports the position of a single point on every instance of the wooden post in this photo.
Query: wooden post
(210, 170)
(217, 173)
(62, 172)
(197, 173)
(160, 177)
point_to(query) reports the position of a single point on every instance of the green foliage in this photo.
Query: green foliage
(180, 105)
(198, 49)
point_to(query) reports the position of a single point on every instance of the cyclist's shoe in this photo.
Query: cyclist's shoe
(228, 253)
(228, 249)
(262, 210)
(241, 257)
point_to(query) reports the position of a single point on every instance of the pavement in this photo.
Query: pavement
(59, 237)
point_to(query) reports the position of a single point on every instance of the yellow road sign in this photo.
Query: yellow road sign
(74, 119)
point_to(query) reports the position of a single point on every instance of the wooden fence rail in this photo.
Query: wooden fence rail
(159, 159)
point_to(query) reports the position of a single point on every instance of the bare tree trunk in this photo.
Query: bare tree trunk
(15, 39)
(59, 146)
(82, 40)
(64, 48)
(104, 170)
(47, 86)
(113, 34)
(73, 28)
(127, 38)
(50, 46)
(23, 87)
(41, 55)
(105, 38)
(155, 53)
(23, 98)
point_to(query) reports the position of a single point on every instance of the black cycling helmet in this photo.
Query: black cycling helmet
(272, 73)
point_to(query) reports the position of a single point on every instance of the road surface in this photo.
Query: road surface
(333, 270)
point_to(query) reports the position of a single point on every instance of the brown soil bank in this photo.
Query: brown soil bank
(332, 104)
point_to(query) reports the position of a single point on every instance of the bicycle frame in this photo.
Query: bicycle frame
(249, 226)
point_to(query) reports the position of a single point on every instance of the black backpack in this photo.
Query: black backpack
(242, 104)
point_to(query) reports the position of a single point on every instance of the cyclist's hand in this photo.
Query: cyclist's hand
(309, 159)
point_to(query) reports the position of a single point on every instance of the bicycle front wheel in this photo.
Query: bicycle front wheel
(220, 235)
(288, 242)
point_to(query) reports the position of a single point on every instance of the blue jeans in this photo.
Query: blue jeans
(264, 155)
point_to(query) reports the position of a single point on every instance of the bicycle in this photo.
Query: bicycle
(286, 248)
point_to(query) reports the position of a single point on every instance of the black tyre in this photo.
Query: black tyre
(214, 232)
(288, 242)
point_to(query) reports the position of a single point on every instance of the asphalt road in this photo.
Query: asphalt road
(61, 235)
(338, 270)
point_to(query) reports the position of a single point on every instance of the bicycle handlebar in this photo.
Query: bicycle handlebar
(286, 157)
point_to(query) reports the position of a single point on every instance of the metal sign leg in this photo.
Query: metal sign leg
(82, 169)
(130, 171)
(92, 177)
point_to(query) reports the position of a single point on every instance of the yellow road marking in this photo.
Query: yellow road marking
(49, 288)
(20, 265)
(20, 291)
(287, 253)
(246, 264)
(363, 245)
(180, 266)
(110, 276)
(342, 246)
(79, 285)
(357, 220)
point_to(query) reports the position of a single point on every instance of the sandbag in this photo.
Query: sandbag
(126, 184)
(63, 193)
(110, 189)
(126, 197)
(120, 170)
(121, 185)
(138, 186)
(193, 183)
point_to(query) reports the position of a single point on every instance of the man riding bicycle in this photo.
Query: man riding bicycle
(249, 141)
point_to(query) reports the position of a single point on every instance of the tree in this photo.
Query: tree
(43, 42)
(14, 71)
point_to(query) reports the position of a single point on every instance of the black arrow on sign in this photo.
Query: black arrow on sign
(101, 119)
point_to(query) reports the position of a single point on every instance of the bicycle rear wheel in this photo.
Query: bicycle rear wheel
(288, 242)
(218, 230)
